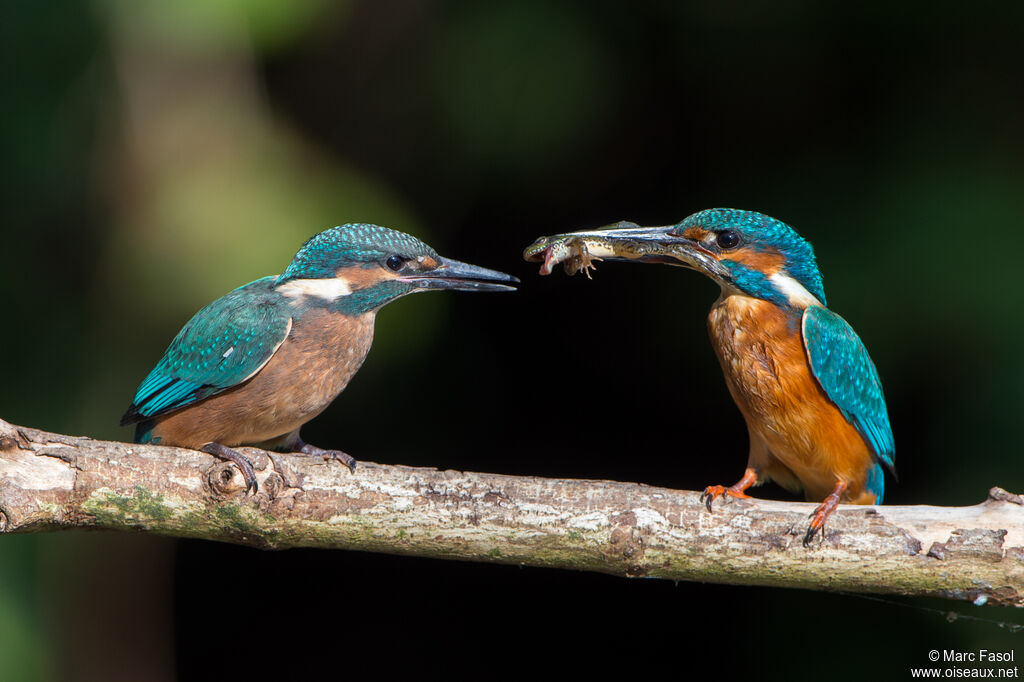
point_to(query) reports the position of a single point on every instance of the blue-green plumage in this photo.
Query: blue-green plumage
(221, 346)
(841, 364)
(755, 283)
(875, 483)
(761, 232)
(836, 355)
(353, 244)
(254, 365)
(810, 395)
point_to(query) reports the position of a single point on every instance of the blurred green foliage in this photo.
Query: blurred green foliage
(520, 115)
(24, 651)
(198, 26)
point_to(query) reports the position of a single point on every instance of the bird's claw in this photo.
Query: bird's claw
(812, 530)
(343, 457)
(712, 492)
(243, 464)
(818, 518)
(251, 486)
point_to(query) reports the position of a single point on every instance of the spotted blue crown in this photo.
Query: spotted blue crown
(354, 243)
(763, 232)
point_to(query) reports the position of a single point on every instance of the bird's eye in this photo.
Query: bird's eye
(394, 262)
(727, 239)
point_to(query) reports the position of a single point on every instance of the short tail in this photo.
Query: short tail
(875, 482)
(144, 432)
(131, 415)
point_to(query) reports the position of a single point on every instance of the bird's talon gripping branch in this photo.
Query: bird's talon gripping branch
(243, 464)
(821, 514)
(713, 492)
(737, 489)
(709, 495)
(813, 530)
(343, 457)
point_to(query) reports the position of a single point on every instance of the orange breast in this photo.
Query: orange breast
(762, 354)
(320, 356)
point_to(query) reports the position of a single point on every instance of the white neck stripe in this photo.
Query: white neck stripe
(795, 293)
(328, 289)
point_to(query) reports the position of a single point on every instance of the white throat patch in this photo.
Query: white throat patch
(795, 293)
(328, 289)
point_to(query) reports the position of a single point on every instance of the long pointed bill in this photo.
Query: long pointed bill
(453, 274)
(622, 241)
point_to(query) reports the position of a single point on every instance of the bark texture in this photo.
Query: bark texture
(50, 482)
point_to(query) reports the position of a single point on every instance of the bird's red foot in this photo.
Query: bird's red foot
(822, 513)
(713, 492)
(343, 457)
(737, 489)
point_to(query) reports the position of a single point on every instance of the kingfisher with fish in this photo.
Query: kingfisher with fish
(256, 364)
(803, 380)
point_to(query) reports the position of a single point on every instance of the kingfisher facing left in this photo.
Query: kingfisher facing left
(256, 364)
(803, 380)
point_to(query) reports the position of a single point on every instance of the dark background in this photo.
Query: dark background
(156, 156)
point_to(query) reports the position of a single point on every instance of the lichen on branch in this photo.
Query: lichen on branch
(51, 481)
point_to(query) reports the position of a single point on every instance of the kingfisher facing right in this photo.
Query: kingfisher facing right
(801, 376)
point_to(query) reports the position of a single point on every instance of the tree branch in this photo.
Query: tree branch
(50, 482)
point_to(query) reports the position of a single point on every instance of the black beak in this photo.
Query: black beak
(626, 241)
(453, 274)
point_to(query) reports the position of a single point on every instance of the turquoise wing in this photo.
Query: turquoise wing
(223, 344)
(845, 371)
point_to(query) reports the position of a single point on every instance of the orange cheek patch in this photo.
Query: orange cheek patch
(767, 262)
(359, 277)
(428, 263)
(695, 233)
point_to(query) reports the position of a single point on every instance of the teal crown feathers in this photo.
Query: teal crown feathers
(764, 231)
(353, 243)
